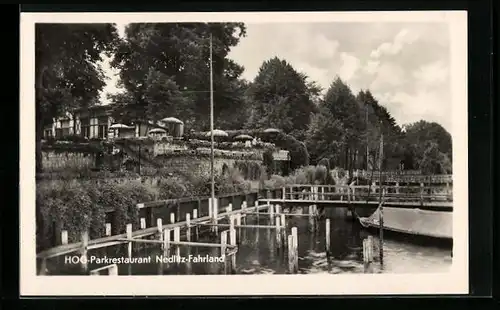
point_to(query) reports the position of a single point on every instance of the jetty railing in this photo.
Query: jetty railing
(170, 210)
(361, 193)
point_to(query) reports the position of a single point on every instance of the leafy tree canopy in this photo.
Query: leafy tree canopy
(68, 74)
(281, 98)
(177, 54)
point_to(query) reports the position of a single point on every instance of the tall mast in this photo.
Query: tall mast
(381, 205)
(212, 128)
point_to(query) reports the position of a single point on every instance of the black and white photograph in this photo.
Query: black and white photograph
(293, 153)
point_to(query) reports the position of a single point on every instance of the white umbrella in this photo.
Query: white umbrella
(243, 137)
(120, 126)
(272, 130)
(172, 120)
(157, 130)
(217, 133)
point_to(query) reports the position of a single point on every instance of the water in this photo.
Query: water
(258, 252)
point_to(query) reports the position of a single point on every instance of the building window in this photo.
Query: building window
(65, 128)
(47, 133)
(102, 130)
(85, 127)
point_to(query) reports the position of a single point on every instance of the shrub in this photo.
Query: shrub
(68, 204)
(172, 188)
(276, 181)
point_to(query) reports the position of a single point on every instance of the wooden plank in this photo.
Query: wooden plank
(242, 226)
(112, 240)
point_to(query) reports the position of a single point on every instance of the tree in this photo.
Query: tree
(299, 156)
(434, 161)
(67, 70)
(379, 121)
(281, 98)
(180, 52)
(325, 137)
(419, 135)
(342, 106)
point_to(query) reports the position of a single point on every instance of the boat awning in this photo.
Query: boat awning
(438, 224)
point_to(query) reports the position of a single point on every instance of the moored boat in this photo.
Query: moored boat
(416, 222)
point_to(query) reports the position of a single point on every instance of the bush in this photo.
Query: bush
(276, 181)
(73, 138)
(69, 204)
(172, 188)
(310, 175)
(80, 206)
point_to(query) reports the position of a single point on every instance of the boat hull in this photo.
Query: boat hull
(414, 222)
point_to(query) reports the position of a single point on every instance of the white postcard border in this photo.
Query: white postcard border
(453, 282)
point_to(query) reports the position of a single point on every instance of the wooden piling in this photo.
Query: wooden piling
(188, 226)
(210, 208)
(367, 254)
(291, 258)
(195, 216)
(238, 223)
(295, 246)
(370, 248)
(216, 215)
(113, 270)
(64, 237)
(278, 209)
(327, 240)
(84, 250)
(271, 214)
(283, 228)
(223, 242)
(177, 238)
(278, 231)
(311, 218)
(43, 267)
(108, 229)
(166, 242)
(143, 223)
(129, 236)
(159, 226)
(232, 241)
(257, 210)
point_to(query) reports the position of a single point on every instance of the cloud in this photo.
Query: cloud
(388, 76)
(324, 48)
(403, 38)
(405, 65)
(432, 74)
(429, 105)
(371, 66)
(350, 65)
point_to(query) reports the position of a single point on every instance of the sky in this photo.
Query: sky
(405, 65)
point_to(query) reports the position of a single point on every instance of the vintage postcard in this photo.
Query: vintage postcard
(286, 153)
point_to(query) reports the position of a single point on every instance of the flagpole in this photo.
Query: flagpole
(212, 185)
(381, 205)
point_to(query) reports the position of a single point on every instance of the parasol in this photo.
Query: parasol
(172, 120)
(243, 137)
(217, 133)
(157, 130)
(120, 126)
(272, 130)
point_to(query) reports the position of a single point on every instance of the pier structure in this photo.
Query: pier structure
(189, 218)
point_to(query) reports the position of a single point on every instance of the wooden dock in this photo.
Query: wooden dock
(183, 214)
(430, 197)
